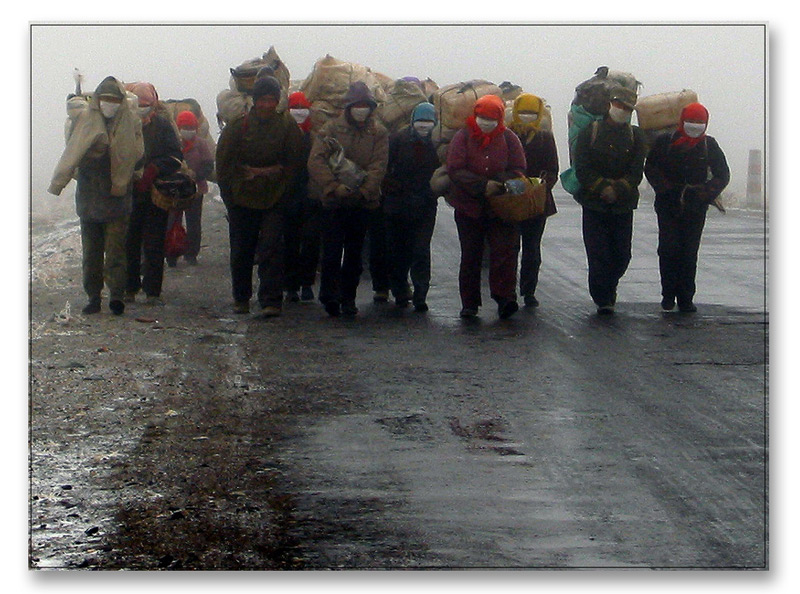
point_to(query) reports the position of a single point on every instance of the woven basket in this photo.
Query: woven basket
(177, 192)
(521, 207)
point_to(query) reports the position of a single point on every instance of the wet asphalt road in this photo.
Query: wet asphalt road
(555, 439)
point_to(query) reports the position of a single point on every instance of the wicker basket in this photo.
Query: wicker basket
(521, 207)
(175, 192)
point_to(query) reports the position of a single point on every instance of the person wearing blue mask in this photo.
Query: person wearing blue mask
(409, 206)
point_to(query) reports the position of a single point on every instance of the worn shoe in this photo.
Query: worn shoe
(92, 307)
(333, 309)
(154, 301)
(241, 307)
(349, 308)
(172, 262)
(420, 306)
(270, 311)
(381, 296)
(506, 309)
(130, 297)
(401, 303)
(191, 260)
(468, 312)
(605, 310)
(292, 297)
(668, 303)
(688, 307)
(531, 301)
(117, 307)
(306, 294)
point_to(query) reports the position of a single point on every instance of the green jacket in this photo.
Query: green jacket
(613, 155)
(249, 140)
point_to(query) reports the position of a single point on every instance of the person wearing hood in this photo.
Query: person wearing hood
(346, 210)
(199, 159)
(688, 171)
(258, 155)
(409, 206)
(609, 160)
(102, 151)
(541, 157)
(302, 231)
(480, 158)
(148, 225)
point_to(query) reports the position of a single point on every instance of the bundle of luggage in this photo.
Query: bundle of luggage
(237, 100)
(402, 96)
(172, 107)
(327, 84)
(661, 113)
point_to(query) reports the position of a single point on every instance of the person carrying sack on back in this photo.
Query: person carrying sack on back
(258, 155)
(148, 226)
(688, 171)
(103, 148)
(200, 160)
(609, 160)
(480, 158)
(346, 209)
(541, 159)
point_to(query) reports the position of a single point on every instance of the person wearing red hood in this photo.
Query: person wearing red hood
(200, 160)
(688, 171)
(302, 226)
(480, 158)
(148, 223)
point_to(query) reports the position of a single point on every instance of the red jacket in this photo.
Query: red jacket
(470, 167)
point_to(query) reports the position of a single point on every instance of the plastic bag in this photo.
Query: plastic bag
(176, 242)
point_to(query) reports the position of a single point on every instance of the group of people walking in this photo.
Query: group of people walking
(300, 200)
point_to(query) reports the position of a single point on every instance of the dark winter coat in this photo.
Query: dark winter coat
(541, 158)
(613, 156)
(406, 187)
(470, 167)
(250, 140)
(161, 146)
(686, 179)
(297, 191)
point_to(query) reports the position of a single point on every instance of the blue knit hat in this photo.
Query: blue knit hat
(424, 111)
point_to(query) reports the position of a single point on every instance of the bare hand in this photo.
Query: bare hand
(608, 195)
(493, 188)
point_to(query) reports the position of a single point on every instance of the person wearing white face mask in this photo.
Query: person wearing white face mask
(104, 146)
(200, 160)
(409, 206)
(301, 217)
(688, 171)
(541, 159)
(608, 161)
(348, 211)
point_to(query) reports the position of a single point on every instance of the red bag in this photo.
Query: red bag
(176, 242)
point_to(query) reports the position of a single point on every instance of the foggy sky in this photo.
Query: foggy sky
(725, 64)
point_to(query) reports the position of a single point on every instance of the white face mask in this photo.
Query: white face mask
(188, 134)
(619, 115)
(423, 127)
(528, 118)
(485, 124)
(299, 115)
(694, 129)
(360, 114)
(109, 109)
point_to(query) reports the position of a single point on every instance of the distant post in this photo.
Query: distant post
(754, 181)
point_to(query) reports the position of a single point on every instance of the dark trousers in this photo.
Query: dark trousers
(678, 244)
(531, 232)
(344, 230)
(378, 257)
(256, 238)
(103, 247)
(607, 239)
(409, 250)
(193, 216)
(144, 247)
(302, 238)
(503, 240)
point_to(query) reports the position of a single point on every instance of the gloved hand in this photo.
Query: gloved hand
(494, 188)
(608, 195)
(148, 176)
(342, 191)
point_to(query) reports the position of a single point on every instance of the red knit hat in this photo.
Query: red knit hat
(299, 99)
(186, 119)
(490, 106)
(694, 112)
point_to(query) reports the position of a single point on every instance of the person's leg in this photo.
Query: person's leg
(243, 228)
(355, 224)
(596, 240)
(270, 258)
(531, 232)
(154, 234)
(114, 269)
(471, 236)
(92, 245)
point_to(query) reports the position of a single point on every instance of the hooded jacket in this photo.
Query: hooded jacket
(366, 144)
(412, 161)
(104, 154)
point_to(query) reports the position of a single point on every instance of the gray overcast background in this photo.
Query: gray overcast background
(724, 63)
